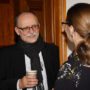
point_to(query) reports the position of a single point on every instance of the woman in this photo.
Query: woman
(75, 73)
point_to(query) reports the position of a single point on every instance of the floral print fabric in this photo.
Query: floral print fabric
(71, 70)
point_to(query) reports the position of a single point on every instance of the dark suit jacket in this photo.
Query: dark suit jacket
(12, 65)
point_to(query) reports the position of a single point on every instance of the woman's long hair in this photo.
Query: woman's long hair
(79, 16)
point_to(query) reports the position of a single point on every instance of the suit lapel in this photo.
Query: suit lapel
(19, 62)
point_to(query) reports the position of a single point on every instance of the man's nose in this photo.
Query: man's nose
(31, 30)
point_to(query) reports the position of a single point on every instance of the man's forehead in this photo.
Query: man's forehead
(27, 16)
(30, 15)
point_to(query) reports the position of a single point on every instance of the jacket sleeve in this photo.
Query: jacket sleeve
(7, 82)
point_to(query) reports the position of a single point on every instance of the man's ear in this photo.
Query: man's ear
(17, 31)
(71, 28)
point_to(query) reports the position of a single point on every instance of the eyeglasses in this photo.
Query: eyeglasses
(26, 29)
(65, 23)
(64, 26)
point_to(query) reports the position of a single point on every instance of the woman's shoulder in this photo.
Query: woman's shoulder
(72, 65)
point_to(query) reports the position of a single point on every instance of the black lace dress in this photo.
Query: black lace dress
(73, 75)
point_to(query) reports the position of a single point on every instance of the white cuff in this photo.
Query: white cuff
(18, 85)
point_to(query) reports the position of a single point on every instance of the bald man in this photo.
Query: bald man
(29, 53)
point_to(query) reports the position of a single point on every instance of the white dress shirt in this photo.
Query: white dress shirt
(28, 68)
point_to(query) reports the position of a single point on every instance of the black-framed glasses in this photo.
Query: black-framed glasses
(33, 27)
(64, 27)
(65, 23)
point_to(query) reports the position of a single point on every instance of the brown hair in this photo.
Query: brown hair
(79, 16)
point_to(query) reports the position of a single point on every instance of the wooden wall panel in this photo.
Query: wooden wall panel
(35, 4)
(6, 25)
(59, 16)
(48, 21)
(4, 1)
(23, 6)
(54, 14)
(41, 20)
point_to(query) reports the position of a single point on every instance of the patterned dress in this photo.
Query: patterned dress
(73, 75)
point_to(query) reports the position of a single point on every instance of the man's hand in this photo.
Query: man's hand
(28, 81)
(52, 88)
